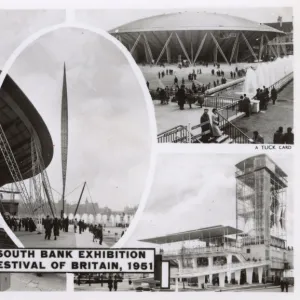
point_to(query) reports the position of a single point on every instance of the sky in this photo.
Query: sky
(192, 191)
(109, 135)
(17, 25)
(109, 19)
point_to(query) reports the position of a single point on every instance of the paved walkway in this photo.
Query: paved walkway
(31, 282)
(151, 74)
(266, 123)
(35, 240)
(70, 239)
(85, 240)
(122, 287)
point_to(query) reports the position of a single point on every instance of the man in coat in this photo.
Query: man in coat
(48, 228)
(288, 138)
(206, 126)
(55, 228)
(181, 97)
(278, 136)
(273, 95)
(247, 105)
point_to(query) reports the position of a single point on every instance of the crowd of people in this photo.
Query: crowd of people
(263, 96)
(15, 224)
(53, 226)
(190, 93)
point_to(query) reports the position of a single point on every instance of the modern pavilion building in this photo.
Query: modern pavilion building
(253, 252)
(198, 36)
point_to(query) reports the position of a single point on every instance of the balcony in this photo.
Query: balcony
(202, 250)
(200, 271)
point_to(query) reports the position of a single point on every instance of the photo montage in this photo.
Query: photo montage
(70, 176)
(224, 221)
(218, 77)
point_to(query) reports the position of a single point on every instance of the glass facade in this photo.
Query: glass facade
(261, 202)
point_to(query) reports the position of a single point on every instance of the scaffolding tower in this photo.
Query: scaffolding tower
(261, 196)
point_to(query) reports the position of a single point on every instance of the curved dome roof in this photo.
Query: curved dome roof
(193, 21)
(18, 117)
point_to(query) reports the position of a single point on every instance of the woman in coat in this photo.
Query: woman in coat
(216, 132)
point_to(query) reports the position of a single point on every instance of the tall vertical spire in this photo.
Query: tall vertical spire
(64, 136)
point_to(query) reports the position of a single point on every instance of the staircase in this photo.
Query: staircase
(227, 109)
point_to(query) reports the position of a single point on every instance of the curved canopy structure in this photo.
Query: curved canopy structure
(19, 119)
(193, 35)
(193, 21)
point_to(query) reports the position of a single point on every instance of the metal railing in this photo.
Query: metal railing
(220, 102)
(178, 134)
(203, 250)
(216, 268)
(238, 136)
(281, 83)
(227, 107)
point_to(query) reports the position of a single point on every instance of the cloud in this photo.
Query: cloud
(193, 191)
(17, 25)
(109, 133)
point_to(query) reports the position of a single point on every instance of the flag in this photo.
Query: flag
(279, 19)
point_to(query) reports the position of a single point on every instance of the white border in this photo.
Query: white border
(167, 4)
(136, 4)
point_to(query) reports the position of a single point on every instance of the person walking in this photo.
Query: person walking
(181, 97)
(55, 228)
(274, 95)
(286, 286)
(100, 234)
(75, 225)
(116, 283)
(48, 228)
(110, 283)
(282, 285)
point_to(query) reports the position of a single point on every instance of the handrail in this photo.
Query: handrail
(201, 250)
(171, 135)
(234, 132)
(174, 128)
(225, 266)
(213, 268)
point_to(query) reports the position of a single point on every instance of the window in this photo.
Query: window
(248, 250)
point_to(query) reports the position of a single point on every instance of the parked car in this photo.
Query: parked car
(144, 287)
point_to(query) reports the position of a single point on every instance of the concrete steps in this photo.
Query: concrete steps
(223, 139)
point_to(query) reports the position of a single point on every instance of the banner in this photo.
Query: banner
(77, 260)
